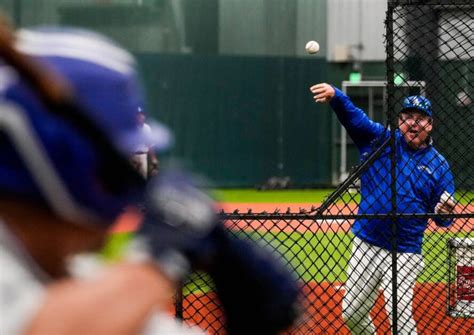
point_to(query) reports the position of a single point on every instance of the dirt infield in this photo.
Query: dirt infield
(323, 314)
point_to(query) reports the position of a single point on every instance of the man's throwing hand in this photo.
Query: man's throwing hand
(322, 92)
(445, 205)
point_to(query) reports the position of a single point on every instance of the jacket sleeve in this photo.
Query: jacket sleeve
(445, 184)
(360, 128)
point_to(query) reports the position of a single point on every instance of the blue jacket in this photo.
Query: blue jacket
(422, 176)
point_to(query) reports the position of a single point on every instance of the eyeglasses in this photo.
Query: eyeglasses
(414, 118)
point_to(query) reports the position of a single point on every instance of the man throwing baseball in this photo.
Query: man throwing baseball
(424, 185)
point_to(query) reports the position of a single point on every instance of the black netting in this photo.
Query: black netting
(358, 254)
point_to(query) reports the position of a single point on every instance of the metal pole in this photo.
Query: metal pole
(343, 164)
(280, 115)
(178, 303)
(393, 161)
(371, 103)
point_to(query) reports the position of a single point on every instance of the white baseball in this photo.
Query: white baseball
(312, 47)
(445, 197)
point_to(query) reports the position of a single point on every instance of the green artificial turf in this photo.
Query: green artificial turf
(301, 196)
(275, 196)
(324, 256)
(115, 246)
(315, 257)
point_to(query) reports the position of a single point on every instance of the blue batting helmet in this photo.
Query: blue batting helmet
(46, 159)
(419, 103)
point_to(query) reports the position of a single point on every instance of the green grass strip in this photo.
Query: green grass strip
(323, 257)
(115, 246)
(315, 257)
(301, 196)
(273, 196)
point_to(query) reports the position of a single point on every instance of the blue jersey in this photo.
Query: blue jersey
(422, 176)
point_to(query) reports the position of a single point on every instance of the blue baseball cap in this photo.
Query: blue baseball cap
(419, 103)
(46, 159)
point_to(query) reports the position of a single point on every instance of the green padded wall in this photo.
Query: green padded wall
(241, 120)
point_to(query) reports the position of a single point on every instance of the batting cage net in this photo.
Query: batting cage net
(390, 251)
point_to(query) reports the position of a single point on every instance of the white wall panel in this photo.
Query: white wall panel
(354, 22)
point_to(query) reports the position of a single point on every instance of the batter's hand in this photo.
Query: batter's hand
(322, 92)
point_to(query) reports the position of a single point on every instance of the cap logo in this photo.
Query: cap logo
(418, 103)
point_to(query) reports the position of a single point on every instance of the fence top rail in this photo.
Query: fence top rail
(309, 216)
(382, 83)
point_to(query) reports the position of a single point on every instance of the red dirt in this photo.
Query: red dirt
(323, 312)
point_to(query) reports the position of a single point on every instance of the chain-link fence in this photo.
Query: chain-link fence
(382, 251)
